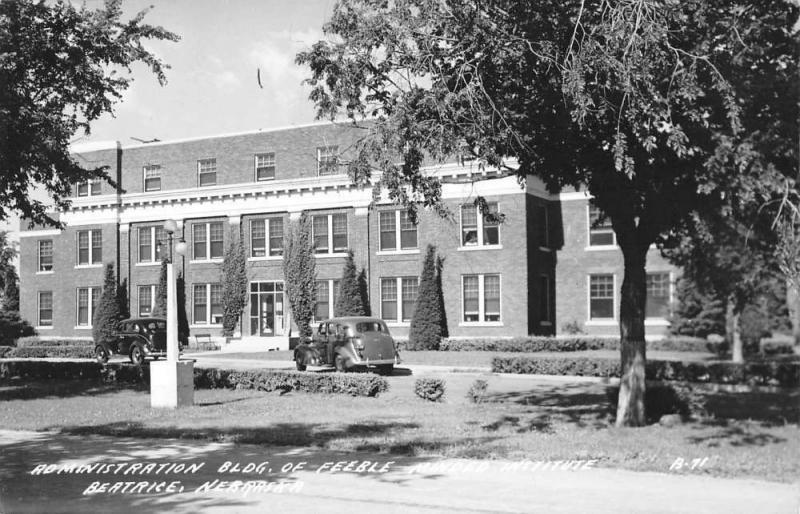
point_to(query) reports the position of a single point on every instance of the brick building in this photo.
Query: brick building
(543, 268)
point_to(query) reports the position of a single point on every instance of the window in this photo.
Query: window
(151, 239)
(207, 172)
(327, 160)
(327, 292)
(477, 230)
(90, 187)
(147, 297)
(87, 303)
(207, 241)
(600, 233)
(152, 177)
(207, 304)
(395, 226)
(544, 227)
(326, 228)
(544, 299)
(260, 244)
(394, 309)
(658, 295)
(265, 166)
(46, 255)
(90, 247)
(601, 296)
(45, 309)
(481, 298)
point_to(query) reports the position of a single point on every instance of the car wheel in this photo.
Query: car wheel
(100, 354)
(386, 369)
(137, 356)
(298, 362)
(340, 364)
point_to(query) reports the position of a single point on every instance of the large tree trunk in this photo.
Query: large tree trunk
(734, 334)
(630, 409)
(793, 303)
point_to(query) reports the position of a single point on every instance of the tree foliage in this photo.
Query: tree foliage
(640, 102)
(160, 301)
(349, 301)
(425, 332)
(123, 300)
(300, 273)
(8, 274)
(60, 70)
(12, 327)
(696, 313)
(234, 283)
(107, 315)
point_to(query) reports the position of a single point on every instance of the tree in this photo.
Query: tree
(425, 332)
(106, 317)
(123, 300)
(11, 290)
(349, 302)
(60, 72)
(696, 313)
(160, 301)
(639, 102)
(300, 273)
(234, 283)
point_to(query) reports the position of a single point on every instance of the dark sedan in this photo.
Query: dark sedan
(137, 338)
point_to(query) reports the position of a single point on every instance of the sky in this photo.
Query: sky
(212, 85)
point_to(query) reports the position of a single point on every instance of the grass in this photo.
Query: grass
(522, 419)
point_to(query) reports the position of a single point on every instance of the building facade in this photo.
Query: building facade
(548, 268)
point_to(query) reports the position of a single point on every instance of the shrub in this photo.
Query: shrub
(62, 351)
(777, 346)
(34, 369)
(661, 399)
(477, 391)
(234, 283)
(282, 380)
(4, 350)
(26, 342)
(106, 317)
(349, 302)
(431, 389)
(425, 332)
(571, 344)
(13, 327)
(299, 269)
(754, 325)
(772, 373)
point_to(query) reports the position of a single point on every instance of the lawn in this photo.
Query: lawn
(522, 419)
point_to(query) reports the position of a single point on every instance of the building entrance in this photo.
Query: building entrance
(266, 309)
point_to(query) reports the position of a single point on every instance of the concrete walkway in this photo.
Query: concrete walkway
(138, 475)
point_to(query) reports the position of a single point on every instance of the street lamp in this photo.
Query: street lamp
(172, 381)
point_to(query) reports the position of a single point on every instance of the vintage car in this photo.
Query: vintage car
(347, 342)
(138, 338)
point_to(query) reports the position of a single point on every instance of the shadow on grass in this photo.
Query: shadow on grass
(32, 390)
(735, 434)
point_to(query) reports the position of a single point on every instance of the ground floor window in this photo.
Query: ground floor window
(481, 298)
(45, 309)
(147, 300)
(87, 303)
(207, 304)
(601, 296)
(327, 292)
(658, 295)
(398, 297)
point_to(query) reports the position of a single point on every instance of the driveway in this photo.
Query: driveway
(41, 472)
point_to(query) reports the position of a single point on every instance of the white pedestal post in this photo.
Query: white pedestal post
(171, 381)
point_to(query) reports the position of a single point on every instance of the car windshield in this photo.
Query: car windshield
(157, 325)
(371, 326)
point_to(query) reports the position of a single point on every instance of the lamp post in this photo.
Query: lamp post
(172, 381)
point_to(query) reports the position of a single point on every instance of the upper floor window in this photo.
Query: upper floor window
(543, 226)
(329, 233)
(207, 241)
(480, 229)
(89, 187)
(152, 177)
(601, 296)
(266, 237)
(147, 296)
(327, 291)
(395, 226)
(658, 295)
(150, 242)
(398, 308)
(601, 233)
(481, 298)
(207, 172)
(265, 166)
(46, 255)
(87, 305)
(45, 309)
(327, 160)
(207, 304)
(90, 247)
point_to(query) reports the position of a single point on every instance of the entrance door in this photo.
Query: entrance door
(266, 309)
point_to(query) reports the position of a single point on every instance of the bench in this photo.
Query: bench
(202, 338)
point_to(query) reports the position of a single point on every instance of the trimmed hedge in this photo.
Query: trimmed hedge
(5, 350)
(38, 352)
(204, 378)
(431, 389)
(777, 346)
(572, 344)
(783, 374)
(28, 342)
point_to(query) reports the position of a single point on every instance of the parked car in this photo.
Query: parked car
(347, 342)
(138, 338)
